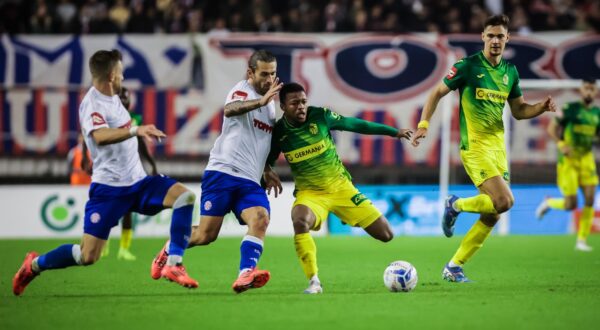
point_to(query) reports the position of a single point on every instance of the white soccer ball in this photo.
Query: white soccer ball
(400, 276)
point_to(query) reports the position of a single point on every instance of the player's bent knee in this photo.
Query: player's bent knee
(570, 204)
(301, 225)
(503, 203)
(186, 198)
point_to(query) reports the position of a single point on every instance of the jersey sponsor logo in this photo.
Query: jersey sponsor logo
(305, 153)
(313, 129)
(480, 76)
(587, 130)
(239, 96)
(451, 73)
(358, 198)
(485, 94)
(97, 119)
(263, 126)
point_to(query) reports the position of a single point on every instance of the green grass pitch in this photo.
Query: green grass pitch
(525, 282)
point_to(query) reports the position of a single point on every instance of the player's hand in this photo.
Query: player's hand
(549, 104)
(565, 150)
(270, 94)
(404, 133)
(150, 132)
(421, 134)
(272, 181)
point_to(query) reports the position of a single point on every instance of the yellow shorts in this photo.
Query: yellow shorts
(349, 204)
(574, 172)
(484, 164)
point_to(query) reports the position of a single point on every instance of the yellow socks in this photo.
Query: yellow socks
(481, 203)
(126, 235)
(471, 242)
(585, 223)
(307, 253)
(556, 203)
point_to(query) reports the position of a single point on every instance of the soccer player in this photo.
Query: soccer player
(119, 182)
(574, 130)
(322, 183)
(127, 222)
(485, 82)
(232, 177)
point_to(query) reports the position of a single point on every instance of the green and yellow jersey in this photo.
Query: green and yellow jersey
(136, 119)
(310, 151)
(580, 126)
(483, 90)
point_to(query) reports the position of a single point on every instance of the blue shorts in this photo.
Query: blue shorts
(108, 204)
(222, 193)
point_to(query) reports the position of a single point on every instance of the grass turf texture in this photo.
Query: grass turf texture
(534, 282)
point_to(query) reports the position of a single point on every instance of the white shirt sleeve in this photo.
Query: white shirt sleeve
(93, 117)
(238, 93)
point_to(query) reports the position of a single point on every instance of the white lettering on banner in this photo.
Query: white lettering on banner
(186, 141)
(39, 141)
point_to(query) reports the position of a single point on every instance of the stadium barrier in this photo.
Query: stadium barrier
(48, 211)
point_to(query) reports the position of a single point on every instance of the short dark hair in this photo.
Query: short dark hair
(497, 20)
(125, 98)
(103, 62)
(289, 88)
(260, 55)
(589, 80)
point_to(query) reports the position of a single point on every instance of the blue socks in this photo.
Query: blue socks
(181, 223)
(251, 249)
(64, 256)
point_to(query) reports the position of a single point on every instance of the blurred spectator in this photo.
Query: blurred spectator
(140, 22)
(41, 21)
(66, 14)
(119, 14)
(199, 16)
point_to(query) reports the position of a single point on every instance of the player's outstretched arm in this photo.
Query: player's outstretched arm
(105, 135)
(356, 125)
(241, 107)
(429, 108)
(521, 110)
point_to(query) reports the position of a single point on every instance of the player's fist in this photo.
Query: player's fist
(404, 133)
(272, 181)
(550, 105)
(420, 134)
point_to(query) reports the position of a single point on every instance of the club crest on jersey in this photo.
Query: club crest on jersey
(451, 73)
(313, 128)
(97, 119)
(207, 205)
(505, 79)
(239, 96)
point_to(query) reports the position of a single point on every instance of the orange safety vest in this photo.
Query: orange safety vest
(79, 177)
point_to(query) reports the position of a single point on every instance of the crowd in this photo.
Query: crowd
(225, 16)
